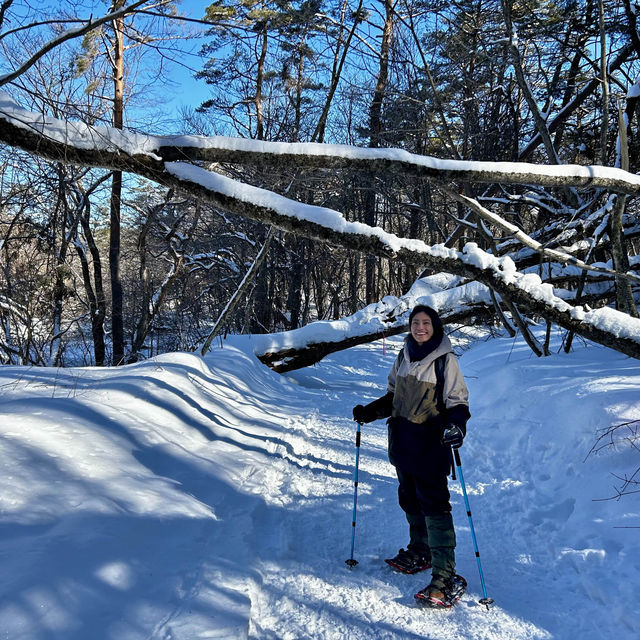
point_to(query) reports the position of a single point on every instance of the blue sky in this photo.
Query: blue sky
(188, 92)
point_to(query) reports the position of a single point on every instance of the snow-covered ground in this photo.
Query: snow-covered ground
(183, 498)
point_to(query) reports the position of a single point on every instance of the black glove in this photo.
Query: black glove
(380, 408)
(364, 414)
(453, 436)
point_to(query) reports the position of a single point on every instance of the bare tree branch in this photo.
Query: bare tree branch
(553, 254)
(237, 295)
(68, 35)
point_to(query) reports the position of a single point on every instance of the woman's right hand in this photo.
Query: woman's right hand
(363, 414)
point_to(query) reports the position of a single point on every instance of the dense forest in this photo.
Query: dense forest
(440, 134)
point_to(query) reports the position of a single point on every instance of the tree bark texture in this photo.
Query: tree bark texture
(115, 207)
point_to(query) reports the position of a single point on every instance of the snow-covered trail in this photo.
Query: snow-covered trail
(309, 592)
(180, 499)
(547, 566)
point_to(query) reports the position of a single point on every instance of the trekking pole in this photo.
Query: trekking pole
(351, 561)
(484, 600)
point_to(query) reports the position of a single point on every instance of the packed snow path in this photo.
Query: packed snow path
(180, 499)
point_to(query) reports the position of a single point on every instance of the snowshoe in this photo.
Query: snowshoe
(440, 595)
(408, 561)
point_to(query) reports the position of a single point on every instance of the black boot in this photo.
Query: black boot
(442, 593)
(408, 561)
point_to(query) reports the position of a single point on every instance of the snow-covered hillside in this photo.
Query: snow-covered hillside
(183, 498)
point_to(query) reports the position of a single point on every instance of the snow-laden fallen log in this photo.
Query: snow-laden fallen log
(605, 326)
(456, 302)
(77, 143)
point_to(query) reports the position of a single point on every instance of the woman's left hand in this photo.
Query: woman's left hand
(453, 436)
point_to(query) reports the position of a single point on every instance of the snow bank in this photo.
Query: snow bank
(191, 498)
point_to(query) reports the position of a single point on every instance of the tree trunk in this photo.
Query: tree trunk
(605, 85)
(237, 296)
(95, 293)
(259, 83)
(624, 293)
(115, 208)
(375, 129)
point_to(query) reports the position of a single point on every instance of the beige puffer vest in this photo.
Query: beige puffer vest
(414, 384)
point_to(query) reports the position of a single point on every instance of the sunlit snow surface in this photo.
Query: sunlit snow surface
(183, 498)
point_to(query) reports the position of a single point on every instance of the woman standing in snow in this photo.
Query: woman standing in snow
(427, 401)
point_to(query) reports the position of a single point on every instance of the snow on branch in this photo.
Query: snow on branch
(314, 155)
(76, 143)
(454, 299)
(553, 254)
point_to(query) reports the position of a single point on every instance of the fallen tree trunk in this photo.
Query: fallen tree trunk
(146, 155)
(76, 143)
(291, 358)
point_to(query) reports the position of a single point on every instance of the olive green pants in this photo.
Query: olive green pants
(425, 501)
(434, 537)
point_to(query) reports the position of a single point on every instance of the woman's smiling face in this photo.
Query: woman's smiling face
(421, 327)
